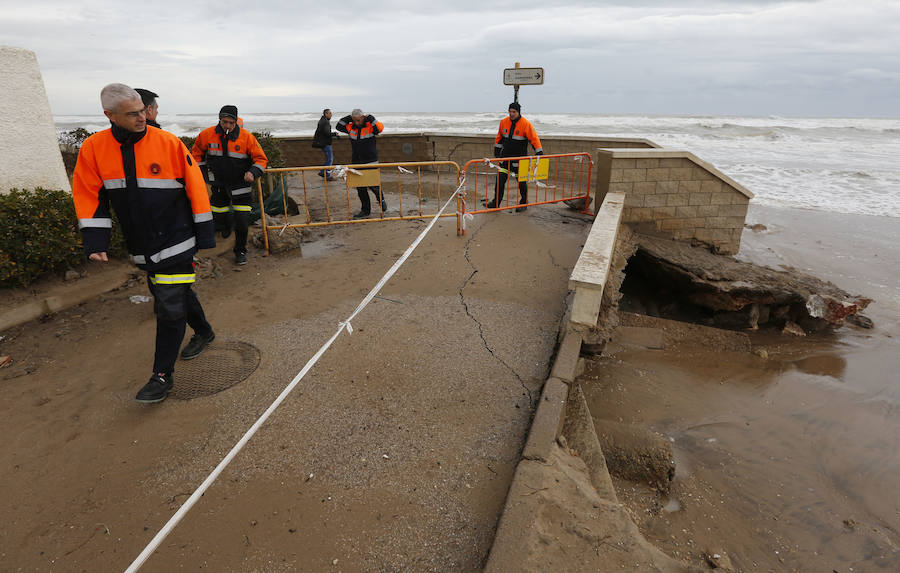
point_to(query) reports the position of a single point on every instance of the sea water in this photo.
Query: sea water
(830, 164)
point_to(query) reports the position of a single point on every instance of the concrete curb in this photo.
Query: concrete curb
(55, 303)
(85, 292)
(546, 427)
(548, 420)
(550, 417)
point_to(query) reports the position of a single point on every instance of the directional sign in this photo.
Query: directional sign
(523, 76)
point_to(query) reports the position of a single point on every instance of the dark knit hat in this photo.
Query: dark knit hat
(147, 96)
(228, 111)
(515, 105)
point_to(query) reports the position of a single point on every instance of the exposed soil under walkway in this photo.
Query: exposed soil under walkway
(395, 452)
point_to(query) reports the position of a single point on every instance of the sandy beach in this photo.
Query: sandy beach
(784, 463)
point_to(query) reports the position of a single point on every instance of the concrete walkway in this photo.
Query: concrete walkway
(395, 452)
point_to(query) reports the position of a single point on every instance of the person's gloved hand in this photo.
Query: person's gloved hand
(497, 152)
(539, 152)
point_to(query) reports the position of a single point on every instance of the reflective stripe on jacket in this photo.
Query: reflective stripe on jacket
(155, 188)
(226, 157)
(362, 138)
(513, 137)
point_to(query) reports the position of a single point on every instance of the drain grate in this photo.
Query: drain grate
(223, 364)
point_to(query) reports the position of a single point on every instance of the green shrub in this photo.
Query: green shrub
(271, 146)
(39, 234)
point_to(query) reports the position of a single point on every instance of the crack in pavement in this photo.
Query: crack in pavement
(462, 299)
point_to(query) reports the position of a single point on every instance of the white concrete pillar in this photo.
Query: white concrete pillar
(29, 148)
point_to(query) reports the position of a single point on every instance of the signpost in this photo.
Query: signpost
(523, 76)
(518, 76)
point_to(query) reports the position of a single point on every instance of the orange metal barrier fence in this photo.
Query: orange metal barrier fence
(412, 190)
(549, 179)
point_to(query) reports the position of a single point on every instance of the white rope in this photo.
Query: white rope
(340, 171)
(198, 493)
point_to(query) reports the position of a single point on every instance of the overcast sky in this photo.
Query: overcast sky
(753, 57)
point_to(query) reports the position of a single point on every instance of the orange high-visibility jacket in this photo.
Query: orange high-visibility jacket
(226, 157)
(362, 139)
(156, 190)
(513, 137)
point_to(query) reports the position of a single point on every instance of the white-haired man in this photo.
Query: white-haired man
(362, 129)
(150, 180)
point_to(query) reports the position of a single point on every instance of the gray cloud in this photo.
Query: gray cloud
(824, 57)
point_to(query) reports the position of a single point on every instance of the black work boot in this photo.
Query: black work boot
(383, 205)
(361, 215)
(240, 258)
(197, 344)
(155, 390)
(492, 204)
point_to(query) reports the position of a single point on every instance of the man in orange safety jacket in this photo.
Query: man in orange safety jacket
(512, 141)
(362, 129)
(232, 160)
(148, 177)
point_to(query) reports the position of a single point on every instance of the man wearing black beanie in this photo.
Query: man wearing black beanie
(231, 159)
(149, 99)
(512, 141)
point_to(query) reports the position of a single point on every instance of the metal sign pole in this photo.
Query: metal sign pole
(516, 88)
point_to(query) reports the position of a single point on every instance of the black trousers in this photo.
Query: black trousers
(232, 211)
(176, 305)
(501, 183)
(363, 193)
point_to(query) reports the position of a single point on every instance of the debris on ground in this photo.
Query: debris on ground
(740, 295)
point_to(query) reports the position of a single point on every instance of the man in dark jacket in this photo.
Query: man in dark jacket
(233, 160)
(322, 140)
(149, 99)
(155, 187)
(512, 141)
(362, 130)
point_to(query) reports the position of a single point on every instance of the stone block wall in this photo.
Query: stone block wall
(463, 148)
(299, 152)
(675, 194)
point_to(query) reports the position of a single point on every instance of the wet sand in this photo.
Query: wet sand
(395, 453)
(785, 463)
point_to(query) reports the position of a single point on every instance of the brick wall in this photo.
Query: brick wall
(675, 194)
(464, 148)
(298, 151)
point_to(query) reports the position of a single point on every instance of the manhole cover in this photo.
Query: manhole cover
(223, 364)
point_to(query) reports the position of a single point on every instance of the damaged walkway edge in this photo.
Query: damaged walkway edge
(562, 451)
